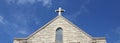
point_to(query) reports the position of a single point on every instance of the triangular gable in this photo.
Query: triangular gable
(54, 20)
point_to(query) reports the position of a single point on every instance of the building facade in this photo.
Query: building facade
(60, 30)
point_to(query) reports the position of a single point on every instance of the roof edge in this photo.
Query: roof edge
(99, 38)
(20, 38)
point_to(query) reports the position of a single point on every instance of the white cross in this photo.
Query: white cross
(60, 10)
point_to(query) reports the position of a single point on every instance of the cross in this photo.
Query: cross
(59, 10)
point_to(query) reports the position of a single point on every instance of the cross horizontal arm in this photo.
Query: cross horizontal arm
(60, 10)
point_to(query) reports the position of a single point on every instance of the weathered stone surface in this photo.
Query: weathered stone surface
(71, 33)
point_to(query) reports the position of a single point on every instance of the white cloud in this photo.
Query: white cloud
(45, 3)
(85, 2)
(1, 19)
(83, 7)
(22, 32)
(74, 15)
(117, 31)
(118, 41)
(25, 1)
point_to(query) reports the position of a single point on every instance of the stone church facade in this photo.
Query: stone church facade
(69, 33)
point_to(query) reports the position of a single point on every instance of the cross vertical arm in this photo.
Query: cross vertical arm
(60, 10)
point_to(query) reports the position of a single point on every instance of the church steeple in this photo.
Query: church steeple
(59, 10)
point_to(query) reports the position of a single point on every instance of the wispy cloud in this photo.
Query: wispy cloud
(76, 14)
(23, 32)
(117, 31)
(83, 6)
(73, 16)
(18, 23)
(13, 28)
(118, 41)
(1, 19)
(82, 10)
(45, 3)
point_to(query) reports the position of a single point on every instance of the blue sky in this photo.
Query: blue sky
(20, 18)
